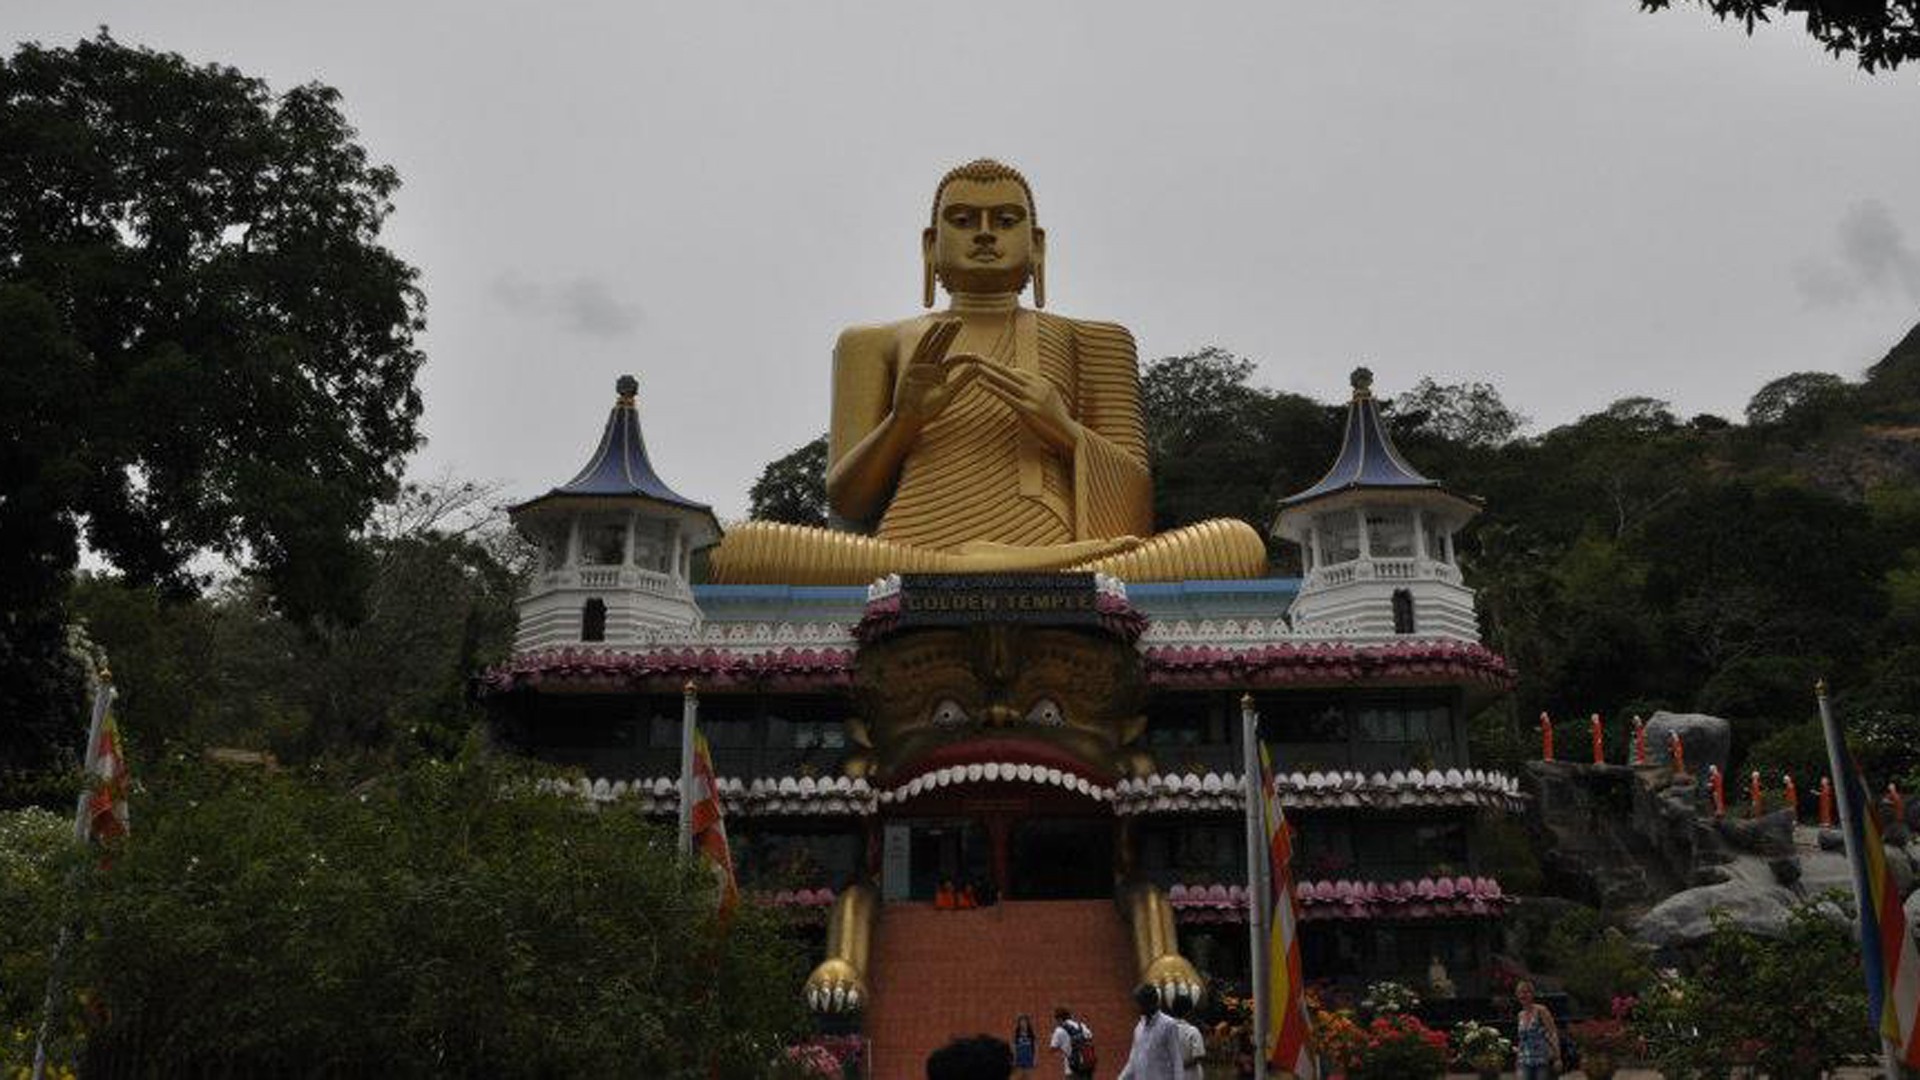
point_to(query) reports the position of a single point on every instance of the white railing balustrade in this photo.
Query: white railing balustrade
(651, 582)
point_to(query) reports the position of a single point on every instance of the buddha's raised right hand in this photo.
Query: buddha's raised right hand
(932, 378)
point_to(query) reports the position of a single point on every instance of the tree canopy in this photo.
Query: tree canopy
(793, 488)
(1879, 34)
(204, 347)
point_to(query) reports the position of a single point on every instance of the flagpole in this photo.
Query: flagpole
(102, 699)
(689, 715)
(1257, 871)
(1862, 891)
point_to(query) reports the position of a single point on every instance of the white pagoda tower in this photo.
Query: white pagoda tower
(1377, 539)
(615, 544)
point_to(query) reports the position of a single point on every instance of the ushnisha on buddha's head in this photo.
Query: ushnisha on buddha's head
(983, 238)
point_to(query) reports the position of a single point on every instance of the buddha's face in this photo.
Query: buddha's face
(983, 239)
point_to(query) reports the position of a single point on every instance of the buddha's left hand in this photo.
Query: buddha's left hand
(1035, 401)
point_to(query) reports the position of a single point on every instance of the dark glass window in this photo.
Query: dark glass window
(593, 620)
(606, 545)
(663, 730)
(1284, 720)
(1402, 611)
(819, 734)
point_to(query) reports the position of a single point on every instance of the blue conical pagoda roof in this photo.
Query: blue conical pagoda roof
(619, 468)
(1368, 458)
(1369, 464)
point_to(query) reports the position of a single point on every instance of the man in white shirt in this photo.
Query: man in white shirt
(1156, 1052)
(1064, 1027)
(1193, 1045)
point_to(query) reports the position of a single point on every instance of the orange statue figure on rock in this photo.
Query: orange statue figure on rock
(1546, 737)
(1599, 739)
(1792, 795)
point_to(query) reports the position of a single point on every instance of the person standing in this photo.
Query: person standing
(1066, 1030)
(1025, 1046)
(1537, 1039)
(1156, 1052)
(1193, 1045)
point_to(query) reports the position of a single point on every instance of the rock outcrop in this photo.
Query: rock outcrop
(1643, 841)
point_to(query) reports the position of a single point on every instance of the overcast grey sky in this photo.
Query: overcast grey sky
(1569, 198)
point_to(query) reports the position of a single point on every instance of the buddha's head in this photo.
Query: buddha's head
(983, 237)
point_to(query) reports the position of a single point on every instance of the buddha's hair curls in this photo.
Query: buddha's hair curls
(985, 170)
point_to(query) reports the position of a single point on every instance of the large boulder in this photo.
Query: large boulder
(1704, 739)
(1687, 917)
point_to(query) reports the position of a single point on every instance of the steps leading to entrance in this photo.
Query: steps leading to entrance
(936, 974)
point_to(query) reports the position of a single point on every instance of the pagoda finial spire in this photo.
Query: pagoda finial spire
(626, 386)
(1362, 380)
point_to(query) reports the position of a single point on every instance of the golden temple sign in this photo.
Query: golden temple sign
(989, 437)
(956, 600)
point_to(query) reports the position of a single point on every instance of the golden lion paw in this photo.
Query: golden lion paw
(1174, 977)
(836, 987)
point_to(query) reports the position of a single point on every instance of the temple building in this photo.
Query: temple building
(1062, 745)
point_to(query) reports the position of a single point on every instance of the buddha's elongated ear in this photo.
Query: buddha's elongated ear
(1039, 267)
(926, 267)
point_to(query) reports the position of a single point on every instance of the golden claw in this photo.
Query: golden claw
(836, 987)
(1174, 977)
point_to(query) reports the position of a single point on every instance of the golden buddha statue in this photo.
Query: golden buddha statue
(989, 437)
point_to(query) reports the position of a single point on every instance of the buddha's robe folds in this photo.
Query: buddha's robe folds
(980, 493)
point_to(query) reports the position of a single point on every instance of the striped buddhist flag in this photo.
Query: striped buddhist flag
(102, 812)
(708, 825)
(1886, 942)
(1288, 1042)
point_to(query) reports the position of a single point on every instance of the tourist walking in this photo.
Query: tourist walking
(1156, 1052)
(1193, 1045)
(1073, 1041)
(1537, 1038)
(1025, 1046)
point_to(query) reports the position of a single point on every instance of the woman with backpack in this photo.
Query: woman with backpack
(1073, 1041)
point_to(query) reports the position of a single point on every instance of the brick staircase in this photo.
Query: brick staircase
(936, 974)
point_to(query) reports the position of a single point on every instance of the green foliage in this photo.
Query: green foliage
(1220, 447)
(203, 345)
(1596, 962)
(446, 920)
(1507, 852)
(34, 844)
(229, 670)
(1792, 1008)
(1467, 414)
(1881, 36)
(1801, 401)
(1800, 751)
(793, 488)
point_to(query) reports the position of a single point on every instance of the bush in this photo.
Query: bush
(1399, 1047)
(1791, 1009)
(34, 848)
(449, 920)
(1596, 963)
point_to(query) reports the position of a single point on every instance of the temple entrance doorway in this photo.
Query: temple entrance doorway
(1061, 859)
(956, 851)
(1009, 841)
